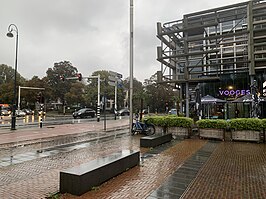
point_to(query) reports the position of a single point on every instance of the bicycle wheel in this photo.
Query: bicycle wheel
(150, 129)
(134, 129)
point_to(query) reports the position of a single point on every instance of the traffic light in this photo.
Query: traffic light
(62, 77)
(79, 75)
(38, 98)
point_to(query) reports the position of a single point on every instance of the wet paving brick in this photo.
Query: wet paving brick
(225, 170)
(141, 181)
(234, 170)
(186, 173)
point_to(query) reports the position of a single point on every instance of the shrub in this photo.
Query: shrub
(263, 123)
(156, 120)
(213, 124)
(175, 121)
(169, 121)
(246, 124)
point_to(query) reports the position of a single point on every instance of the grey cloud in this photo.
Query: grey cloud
(92, 34)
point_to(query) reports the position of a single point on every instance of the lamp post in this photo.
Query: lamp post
(14, 28)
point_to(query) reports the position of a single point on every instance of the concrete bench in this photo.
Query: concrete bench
(155, 140)
(81, 179)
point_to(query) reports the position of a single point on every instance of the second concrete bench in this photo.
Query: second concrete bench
(155, 140)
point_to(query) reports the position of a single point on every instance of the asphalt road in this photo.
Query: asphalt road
(33, 121)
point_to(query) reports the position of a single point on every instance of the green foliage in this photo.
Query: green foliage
(263, 123)
(156, 120)
(213, 124)
(175, 121)
(246, 124)
(170, 121)
(54, 196)
(60, 88)
(75, 94)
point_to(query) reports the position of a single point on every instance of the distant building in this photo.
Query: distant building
(223, 49)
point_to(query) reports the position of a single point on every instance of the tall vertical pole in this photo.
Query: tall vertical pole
(19, 97)
(9, 34)
(131, 67)
(116, 95)
(98, 101)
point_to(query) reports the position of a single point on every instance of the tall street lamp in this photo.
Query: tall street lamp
(14, 28)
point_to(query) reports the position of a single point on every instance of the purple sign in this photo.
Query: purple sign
(234, 92)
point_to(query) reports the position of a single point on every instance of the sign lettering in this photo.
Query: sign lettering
(234, 92)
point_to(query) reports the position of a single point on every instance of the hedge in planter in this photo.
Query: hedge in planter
(209, 128)
(247, 129)
(263, 123)
(179, 126)
(159, 123)
(171, 124)
(175, 121)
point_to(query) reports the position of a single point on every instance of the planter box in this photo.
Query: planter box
(212, 133)
(179, 131)
(160, 130)
(246, 135)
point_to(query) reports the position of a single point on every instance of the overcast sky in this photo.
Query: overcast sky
(91, 34)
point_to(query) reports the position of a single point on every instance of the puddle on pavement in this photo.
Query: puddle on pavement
(44, 148)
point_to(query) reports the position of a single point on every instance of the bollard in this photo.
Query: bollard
(41, 123)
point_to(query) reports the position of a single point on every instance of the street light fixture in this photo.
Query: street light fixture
(14, 28)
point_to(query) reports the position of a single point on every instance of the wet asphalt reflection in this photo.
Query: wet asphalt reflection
(43, 148)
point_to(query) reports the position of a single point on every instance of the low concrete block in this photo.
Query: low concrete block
(80, 179)
(155, 140)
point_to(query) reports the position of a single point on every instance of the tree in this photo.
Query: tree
(7, 74)
(159, 95)
(138, 93)
(60, 88)
(75, 96)
(91, 90)
(28, 96)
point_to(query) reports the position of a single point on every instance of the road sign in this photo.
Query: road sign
(115, 74)
(112, 78)
(119, 75)
(111, 83)
(112, 73)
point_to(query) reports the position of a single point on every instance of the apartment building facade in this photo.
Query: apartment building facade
(223, 50)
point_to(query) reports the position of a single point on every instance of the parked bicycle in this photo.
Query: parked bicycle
(142, 127)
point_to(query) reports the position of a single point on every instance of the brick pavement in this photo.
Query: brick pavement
(234, 170)
(140, 181)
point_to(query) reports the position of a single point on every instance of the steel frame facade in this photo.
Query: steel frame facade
(204, 46)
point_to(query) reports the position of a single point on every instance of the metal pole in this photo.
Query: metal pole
(115, 97)
(13, 122)
(19, 97)
(9, 34)
(187, 100)
(131, 67)
(98, 102)
(104, 110)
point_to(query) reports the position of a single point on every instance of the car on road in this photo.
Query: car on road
(84, 112)
(173, 111)
(20, 113)
(28, 111)
(122, 112)
(5, 112)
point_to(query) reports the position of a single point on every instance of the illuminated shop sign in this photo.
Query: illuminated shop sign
(234, 92)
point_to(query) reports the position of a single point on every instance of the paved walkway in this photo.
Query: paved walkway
(190, 168)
